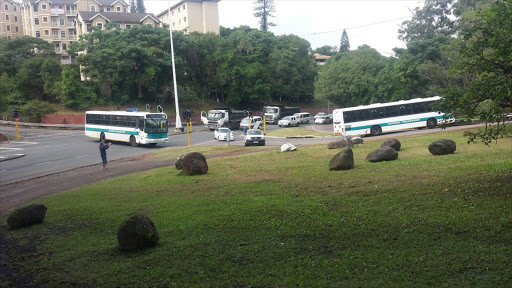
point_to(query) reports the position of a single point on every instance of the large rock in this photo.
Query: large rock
(343, 160)
(442, 147)
(179, 162)
(393, 143)
(194, 164)
(26, 216)
(385, 153)
(136, 233)
(342, 143)
(356, 140)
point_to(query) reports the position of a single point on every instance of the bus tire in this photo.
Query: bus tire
(375, 130)
(431, 123)
(133, 142)
(102, 137)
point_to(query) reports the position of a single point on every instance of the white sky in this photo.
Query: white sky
(371, 22)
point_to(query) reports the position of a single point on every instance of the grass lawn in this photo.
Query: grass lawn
(273, 219)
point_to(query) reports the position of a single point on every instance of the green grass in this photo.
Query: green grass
(274, 219)
(296, 131)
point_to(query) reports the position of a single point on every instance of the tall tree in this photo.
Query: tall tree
(345, 43)
(326, 50)
(140, 6)
(264, 10)
(133, 6)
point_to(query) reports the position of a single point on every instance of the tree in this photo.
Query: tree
(133, 6)
(326, 50)
(71, 91)
(140, 7)
(14, 52)
(486, 46)
(345, 43)
(264, 10)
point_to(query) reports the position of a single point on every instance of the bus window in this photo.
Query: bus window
(349, 116)
(419, 108)
(377, 113)
(141, 123)
(392, 111)
(431, 106)
(405, 109)
(363, 115)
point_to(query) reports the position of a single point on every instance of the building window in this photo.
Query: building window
(64, 47)
(38, 34)
(183, 7)
(45, 19)
(8, 28)
(128, 26)
(15, 18)
(173, 24)
(108, 9)
(35, 8)
(89, 28)
(149, 24)
(6, 17)
(14, 8)
(179, 10)
(179, 21)
(46, 32)
(172, 12)
(63, 34)
(118, 9)
(43, 7)
(6, 7)
(184, 19)
(36, 21)
(100, 25)
(93, 8)
(16, 28)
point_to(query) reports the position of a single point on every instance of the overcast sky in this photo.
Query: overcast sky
(371, 22)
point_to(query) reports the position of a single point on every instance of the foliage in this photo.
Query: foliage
(14, 52)
(37, 76)
(133, 6)
(34, 109)
(326, 50)
(264, 10)
(141, 8)
(345, 43)
(272, 219)
(71, 91)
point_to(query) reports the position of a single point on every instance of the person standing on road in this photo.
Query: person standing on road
(103, 152)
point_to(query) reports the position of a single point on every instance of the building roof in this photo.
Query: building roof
(12, 2)
(135, 18)
(319, 56)
(73, 2)
(181, 2)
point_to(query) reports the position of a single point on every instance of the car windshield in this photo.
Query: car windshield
(214, 115)
(321, 117)
(270, 110)
(154, 125)
(320, 114)
(224, 130)
(287, 118)
(255, 132)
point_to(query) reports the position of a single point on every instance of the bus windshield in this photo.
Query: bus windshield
(270, 110)
(155, 125)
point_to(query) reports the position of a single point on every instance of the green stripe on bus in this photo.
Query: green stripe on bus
(112, 131)
(157, 136)
(393, 123)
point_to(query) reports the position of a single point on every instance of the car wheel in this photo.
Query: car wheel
(431, 123)
(375, 130)
(133, 142)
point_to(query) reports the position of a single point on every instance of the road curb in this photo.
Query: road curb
(10, 157)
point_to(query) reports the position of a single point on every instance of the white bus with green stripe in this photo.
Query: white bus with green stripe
(379, 118)
(132, 127)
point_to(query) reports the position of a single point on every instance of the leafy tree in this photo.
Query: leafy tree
(14, 52)
(264, 10)
(36, 78)
(345, 43)
(133, 6)
(486, 47)
(70, 90)
(350, 78)
(326, 50)
(140, 6)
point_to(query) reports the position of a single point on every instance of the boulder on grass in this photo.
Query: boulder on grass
(342, 143)
(179, 162)
(393, 143)
(26, 216)
(343, 160)
(194, 164)
(356, 140)
(442, 147)
(136, 233)
(385, 153)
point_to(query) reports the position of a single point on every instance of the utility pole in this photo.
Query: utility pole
(179, 127)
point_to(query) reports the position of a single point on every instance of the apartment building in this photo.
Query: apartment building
(193, 16)
(86, 20)
(10, 19)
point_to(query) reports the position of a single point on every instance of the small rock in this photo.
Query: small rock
(194, 164)
(341, 143)
(343, 160)
(26, 216)
(385, 153)
(136, 233)
(393, 143)
(442, 147)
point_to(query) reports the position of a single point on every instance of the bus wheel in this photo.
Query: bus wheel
(431, 123)
(102, 137)
(375, 130)
(133, 142)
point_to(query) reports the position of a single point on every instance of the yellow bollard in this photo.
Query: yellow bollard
(188, 132)
(264, 124)
(17, 130)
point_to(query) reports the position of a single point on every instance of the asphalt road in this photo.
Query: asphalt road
(48, 151)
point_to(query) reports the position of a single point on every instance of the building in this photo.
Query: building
(11, 24)
(86, 20)
(320, 59)
(193, 16)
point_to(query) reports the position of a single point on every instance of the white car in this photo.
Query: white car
(325, 119)
(222, 134)
(254, 137)
(319, 114)
(254, 121)
(288, 121)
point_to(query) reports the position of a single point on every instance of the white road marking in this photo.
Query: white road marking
(80, 156)
(2, 171)
(43, 163)
(8, 148)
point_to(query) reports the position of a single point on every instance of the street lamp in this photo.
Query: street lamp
(178, 119)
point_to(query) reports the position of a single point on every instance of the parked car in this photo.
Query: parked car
(221, 134)
(254, 137)
(288, 121)
(319, 114)
(325, 119)
(303, 117)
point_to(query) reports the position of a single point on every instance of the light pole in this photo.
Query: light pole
(179, 127)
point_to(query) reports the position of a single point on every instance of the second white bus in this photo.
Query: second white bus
(132, 127)
(377, 118)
